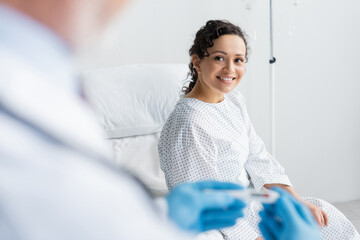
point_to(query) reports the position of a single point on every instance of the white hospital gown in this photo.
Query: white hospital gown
(217, 141)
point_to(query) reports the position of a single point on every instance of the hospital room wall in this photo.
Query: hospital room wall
(317, 105)
(318, 101)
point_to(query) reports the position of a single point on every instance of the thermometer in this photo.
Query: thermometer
(263, 196)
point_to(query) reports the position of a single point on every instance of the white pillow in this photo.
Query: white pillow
(134, 99)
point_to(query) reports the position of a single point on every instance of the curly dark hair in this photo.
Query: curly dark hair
(204, 39)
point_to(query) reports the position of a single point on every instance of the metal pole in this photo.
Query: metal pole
(272, 86)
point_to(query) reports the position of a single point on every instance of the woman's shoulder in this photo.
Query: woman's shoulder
(187, 113)
(189, 107)
(236, 97)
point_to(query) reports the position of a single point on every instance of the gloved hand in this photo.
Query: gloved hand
(288, 219)
(193, 208)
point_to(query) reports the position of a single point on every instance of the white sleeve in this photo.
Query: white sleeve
(187, 153)
(162, 207)
(47, 189)
(260, 165)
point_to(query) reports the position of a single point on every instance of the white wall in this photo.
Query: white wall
(318, 100)
(316, 46)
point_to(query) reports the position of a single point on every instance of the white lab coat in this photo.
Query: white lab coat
(56, 181)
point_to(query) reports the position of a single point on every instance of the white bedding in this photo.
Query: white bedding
(136, 99)
(132, 103)
(139, 156)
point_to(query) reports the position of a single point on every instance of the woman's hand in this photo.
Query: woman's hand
(319, 215)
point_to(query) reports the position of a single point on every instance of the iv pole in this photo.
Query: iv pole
(272, 86)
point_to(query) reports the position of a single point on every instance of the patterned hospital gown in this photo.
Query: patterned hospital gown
(217, 141)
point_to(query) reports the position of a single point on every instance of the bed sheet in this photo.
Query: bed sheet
(139, 155)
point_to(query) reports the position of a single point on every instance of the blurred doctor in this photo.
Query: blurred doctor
(56, 181)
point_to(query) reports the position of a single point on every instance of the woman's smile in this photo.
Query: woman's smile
(227, 79)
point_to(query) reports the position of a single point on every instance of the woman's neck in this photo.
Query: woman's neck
(205, 95)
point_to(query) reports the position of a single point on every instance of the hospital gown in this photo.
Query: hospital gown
(217, 141)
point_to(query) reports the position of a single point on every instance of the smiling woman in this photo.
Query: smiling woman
(221, 70)
(209, 134)
(224, 59)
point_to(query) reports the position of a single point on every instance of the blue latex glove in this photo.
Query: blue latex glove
(194, 209)
(288, 219)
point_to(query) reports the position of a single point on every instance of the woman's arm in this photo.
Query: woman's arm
(320, 215)
(187, 152)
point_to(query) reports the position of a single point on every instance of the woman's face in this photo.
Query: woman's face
(222, 70)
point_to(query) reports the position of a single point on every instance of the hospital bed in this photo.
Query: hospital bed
(132, 103)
